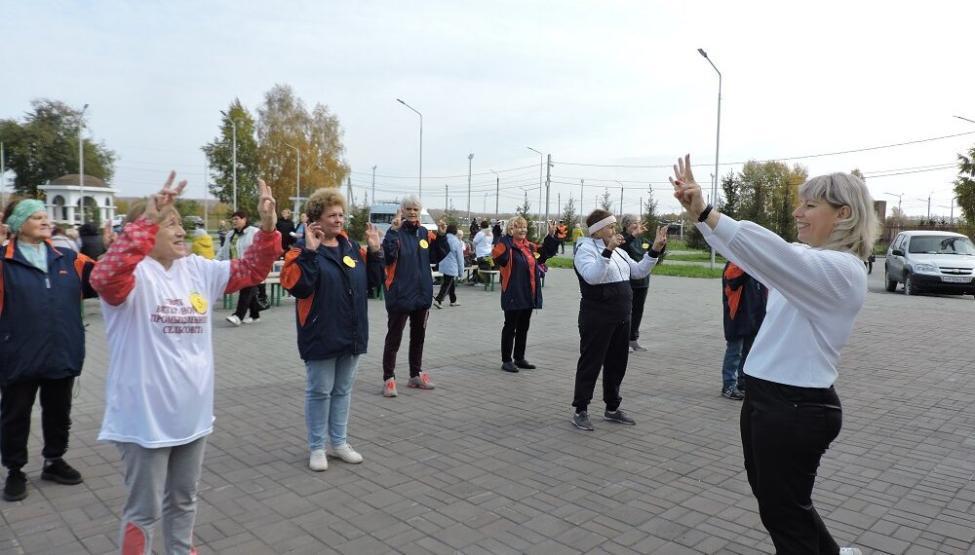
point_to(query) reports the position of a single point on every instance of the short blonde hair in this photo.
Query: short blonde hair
(138, 208)
(321, 200)
(857, 233)
(514, 221)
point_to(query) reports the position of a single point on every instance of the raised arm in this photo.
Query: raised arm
(259, 258)
(114, 277)
(817, 281)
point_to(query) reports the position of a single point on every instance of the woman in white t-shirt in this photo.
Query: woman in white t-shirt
(791, 412)
(157, 304)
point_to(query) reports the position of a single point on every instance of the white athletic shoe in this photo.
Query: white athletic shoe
(346, 453)
(234, 320)
(850, 551)
(317, 461)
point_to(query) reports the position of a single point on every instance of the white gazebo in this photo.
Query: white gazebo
(65, 194)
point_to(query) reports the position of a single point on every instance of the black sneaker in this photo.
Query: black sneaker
(731, 392)
(619, 417)
(16, 487)
(57, 470)
(509, 367)
(524, 364)
(581, 420)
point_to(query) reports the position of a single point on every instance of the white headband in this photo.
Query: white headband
(608, 220)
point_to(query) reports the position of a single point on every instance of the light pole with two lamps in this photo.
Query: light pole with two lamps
(417, 112)
(717, 140)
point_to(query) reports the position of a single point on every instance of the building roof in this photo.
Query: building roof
(72, 179)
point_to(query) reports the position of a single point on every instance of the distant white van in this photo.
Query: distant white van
(381, 215)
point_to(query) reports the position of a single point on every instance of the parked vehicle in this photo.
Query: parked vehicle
(936, 261)
(381, 215)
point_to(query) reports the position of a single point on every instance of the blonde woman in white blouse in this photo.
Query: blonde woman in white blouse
(791, 412)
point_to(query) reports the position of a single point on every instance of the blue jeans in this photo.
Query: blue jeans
(327, 399)
(735, 354)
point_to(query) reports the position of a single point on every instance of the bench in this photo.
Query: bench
(490, 275)
(272, 281)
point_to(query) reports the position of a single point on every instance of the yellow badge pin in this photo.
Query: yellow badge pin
(198, 303)
(424, 244)
(349, 261)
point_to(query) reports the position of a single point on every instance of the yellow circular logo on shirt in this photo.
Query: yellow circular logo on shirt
(198, 303)
(646, 246)
(424, 244)
(349, 261)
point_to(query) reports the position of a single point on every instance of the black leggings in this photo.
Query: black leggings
(16, 404)
(247, 302)
(784, 432)
(515, 332)
(636, 316)
(603, 345)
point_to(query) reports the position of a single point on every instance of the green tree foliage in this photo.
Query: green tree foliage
(525, 212)
(358, 218)
(569, 216)
(45, 146)
(768, 195)
(965, 190)
(731, 188)
(284, 122)
(220, 154)
(651, 219)
(606, 201)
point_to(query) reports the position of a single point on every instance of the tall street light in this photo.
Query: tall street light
(81, 160)
(899, 198)
(717, 140)
(541, 164)
(233, 123)
(497, 191)
(297, 176)
(470, 162)
(421, 143)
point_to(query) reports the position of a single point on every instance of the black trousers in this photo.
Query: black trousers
(16, 404)
(247, 302)
(784, 432)
(448, 286)
(636, 315)
(394, 336)
(514, 333)
(603, 345)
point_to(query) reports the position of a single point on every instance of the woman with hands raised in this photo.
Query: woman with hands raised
(157, 303)
(636, 245)
(791, 412)
(409, 249)
(604, 273)
(329, 276)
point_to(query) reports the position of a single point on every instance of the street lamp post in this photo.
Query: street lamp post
(541, 164)
(717, 140)
(374, 184)
(297, 176)
(470, 162)
(899, 198)
(233, 124)
(497, 192)
(81, 160)
(417, 112)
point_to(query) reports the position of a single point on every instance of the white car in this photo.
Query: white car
(937, 261)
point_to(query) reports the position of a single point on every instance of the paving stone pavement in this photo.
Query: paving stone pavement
(488, 462)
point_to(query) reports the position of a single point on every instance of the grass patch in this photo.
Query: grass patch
(698, 256)
(686, 270)
(677, 270)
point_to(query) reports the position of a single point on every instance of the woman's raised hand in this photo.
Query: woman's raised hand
(372, 237)
(313, 236)
(686, 189)
(660, 241)
(164, 198)
(397, 220)
(266, 207)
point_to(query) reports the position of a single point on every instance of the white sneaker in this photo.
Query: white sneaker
(317, 461)
(346, 453)
(850, 551)
(249, 320)
(233, 319)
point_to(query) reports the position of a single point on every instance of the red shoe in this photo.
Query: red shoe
(389, 388)
(420, 382)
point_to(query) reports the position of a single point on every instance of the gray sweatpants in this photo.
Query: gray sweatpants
(162, 483)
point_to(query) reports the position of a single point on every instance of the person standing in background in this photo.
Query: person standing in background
(743, 300)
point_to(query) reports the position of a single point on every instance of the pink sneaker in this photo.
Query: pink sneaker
(420, 382)
(389, 388)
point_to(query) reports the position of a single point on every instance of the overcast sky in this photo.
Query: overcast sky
(595, 84)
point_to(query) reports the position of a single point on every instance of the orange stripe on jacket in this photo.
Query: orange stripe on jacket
(79, 265)
(505, 270)
(291, 272)
(734, 295)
